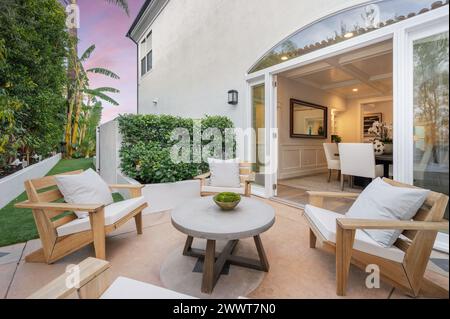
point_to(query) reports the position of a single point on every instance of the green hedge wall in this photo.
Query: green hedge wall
(146, 146)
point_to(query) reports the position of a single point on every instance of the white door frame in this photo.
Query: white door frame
(250, 153)
(402, 108)
(413, 34)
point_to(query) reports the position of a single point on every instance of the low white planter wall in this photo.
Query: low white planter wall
(164, 197)
(13, 185)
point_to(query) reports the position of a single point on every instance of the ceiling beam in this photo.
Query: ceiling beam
(307, 70)
(382, 77)
(355, 82)
(367, 53)
(359, 75)
(342, 84)
(309, 83)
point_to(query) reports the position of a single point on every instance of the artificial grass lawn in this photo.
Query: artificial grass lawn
(17, 225)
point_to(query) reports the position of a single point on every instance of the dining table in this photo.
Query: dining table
(385, 160)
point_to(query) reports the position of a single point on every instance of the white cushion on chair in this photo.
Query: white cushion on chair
(85, 188)
(225, 173)
(383, 201)
(113, 213)
(325, 221)
(124, 288)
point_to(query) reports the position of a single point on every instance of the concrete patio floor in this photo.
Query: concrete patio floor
(296, 270)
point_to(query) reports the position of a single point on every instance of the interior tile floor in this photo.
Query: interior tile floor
(294, 191)
(296, 270)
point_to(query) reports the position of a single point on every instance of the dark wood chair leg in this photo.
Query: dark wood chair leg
(329, 175)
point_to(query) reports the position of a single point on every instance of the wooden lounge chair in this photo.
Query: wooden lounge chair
(92, 281)
(247, 177)
(62, 233)
(402, 265)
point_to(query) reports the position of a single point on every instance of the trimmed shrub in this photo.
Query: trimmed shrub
(147, 144)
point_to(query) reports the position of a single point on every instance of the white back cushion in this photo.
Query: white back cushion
(85, 188)
(224, 173)
(383, 201)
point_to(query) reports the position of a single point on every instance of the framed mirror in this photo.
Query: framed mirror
(308, 120)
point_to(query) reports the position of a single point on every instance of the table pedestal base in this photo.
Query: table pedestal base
(214, 262)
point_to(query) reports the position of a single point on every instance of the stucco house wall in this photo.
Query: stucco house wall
(203, 48)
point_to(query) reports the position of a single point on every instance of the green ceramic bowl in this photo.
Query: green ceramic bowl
(227, 201)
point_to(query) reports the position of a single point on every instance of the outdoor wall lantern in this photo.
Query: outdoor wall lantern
(233, 97)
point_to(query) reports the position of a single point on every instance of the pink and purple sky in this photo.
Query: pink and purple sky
(106, 25)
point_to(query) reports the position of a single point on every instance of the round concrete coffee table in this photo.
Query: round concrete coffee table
(201, 218)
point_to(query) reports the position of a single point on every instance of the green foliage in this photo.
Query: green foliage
(32, 76)
(135, 128)
(336, 139)
(228, 197)
(147, 144)
(89, 122)
(17, 224)
(149, 163)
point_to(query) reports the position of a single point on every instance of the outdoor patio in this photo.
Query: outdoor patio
(296, 270)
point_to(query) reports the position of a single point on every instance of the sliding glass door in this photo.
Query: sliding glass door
(259, 125)
(431, 112)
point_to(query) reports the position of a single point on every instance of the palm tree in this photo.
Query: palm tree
(73, 72)
(81, 91)
(90, 119)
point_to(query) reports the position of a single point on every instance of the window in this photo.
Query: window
(431, 124)
(146, 54)
(345, 25)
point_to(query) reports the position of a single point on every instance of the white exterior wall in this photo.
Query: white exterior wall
(203, 48)
(108, 147)
(13, 185)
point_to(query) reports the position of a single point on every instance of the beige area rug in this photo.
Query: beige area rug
(182, 274)
(318, 183)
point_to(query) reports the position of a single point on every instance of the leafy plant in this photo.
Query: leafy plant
(33, 42)
(80, 101)
(228, 197)
(147, 143)
(336, 139)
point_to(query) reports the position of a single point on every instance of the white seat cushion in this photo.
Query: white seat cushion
(124, 288)
(208, 188)
(325, 221)
(113, 213)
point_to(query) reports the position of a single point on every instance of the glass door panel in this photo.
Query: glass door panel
(259, 125)
(431, 113)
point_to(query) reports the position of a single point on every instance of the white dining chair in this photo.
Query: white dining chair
(358, 159)
(333, 161)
